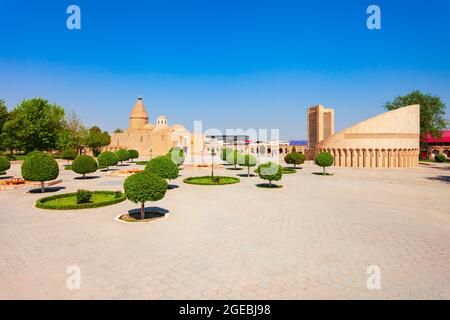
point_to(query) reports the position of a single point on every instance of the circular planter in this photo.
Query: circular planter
(207, 180)
(67, 201)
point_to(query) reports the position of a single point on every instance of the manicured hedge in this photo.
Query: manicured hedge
(68, 155)
(41, 203)
(41, 167)
(123, 155)
(107, 159)
(439, 158)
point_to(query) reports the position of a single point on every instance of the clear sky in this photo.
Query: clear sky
(233, 64)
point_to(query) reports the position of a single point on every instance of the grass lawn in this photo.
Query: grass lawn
(69, 201)
(142, 163)
(207, 180)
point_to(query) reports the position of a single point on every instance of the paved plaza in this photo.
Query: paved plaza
(314, 238)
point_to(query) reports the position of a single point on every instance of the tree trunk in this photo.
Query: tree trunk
(270, 183)
(248, 172)
(295, 166)
(84, 176)
(42, 187)
(142, 210)
(324, 171)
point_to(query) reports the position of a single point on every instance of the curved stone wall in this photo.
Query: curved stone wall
(390, 140)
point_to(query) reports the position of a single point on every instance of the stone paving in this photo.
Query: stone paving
(312, 239)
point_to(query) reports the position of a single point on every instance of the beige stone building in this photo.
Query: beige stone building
(150, 139)
(320, 126)
(389, 140)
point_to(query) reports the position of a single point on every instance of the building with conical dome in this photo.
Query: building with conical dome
(150, 139)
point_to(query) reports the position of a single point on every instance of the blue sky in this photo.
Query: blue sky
(233, 64)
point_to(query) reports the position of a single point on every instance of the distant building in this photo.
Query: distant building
(320, 125)
(148, 138)
(437, 145)
(389, 140)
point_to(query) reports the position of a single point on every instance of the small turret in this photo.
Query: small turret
(138, 116)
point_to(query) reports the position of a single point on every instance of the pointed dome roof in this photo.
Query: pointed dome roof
(138, 111)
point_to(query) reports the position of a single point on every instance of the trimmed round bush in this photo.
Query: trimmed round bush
(84, 164)
(144, 186)
(4, 164)
(40, 167)
(107, 159)
(68, 201)
(438, 158)
(176, 154)
(163, 166)
(134, 154)
(224, 154)
(270, 171)
(247, 160)
(294, 158)
(123, 155)
(233, 158)
(68, 155)
(324, 159)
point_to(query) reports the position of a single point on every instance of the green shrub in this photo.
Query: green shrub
(68, 155)
(270, 171)
(84, 164)
(224, 154)
(176, 154)
(41, 167)
(107, 159)
(134, 154)
(84, 196)
(233, 158)
(324, 159)
(4, 164)
(144, 186)
(118, 194)
(248, 161)
(123, 155)
(163, 166)
(294, 158)
(438, 158)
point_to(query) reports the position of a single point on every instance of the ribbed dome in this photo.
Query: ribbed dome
(138, 111)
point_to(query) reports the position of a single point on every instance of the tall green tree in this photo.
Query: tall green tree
(34, 124)
(432, 111)
(96, 139)
(73, 135)
(3, 114)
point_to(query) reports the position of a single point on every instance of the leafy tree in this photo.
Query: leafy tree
(118, 130)
(73, 135)
(107, 159)
(33, 125)
(4, 164)
(248, 161)
(270, 171)
(144, 186)
(233, 158)
(96, 139)
(134, 154)
(324, 159)
(39, 166)
(69, 155)
(123, 155)
(84, 164)
(3, 115)
(432, 112)
(163, 166)
(294, 158)
(224, 154)
(177, 155)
